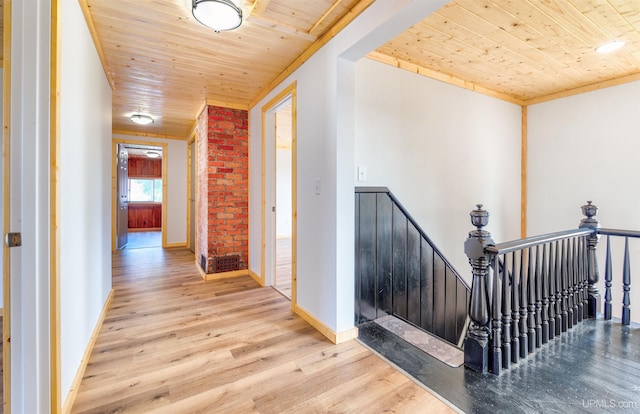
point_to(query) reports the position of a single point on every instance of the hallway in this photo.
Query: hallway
(143, 239)
(172, 342)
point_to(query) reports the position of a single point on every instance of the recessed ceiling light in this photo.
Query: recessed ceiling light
(610, 47)
(141, 119)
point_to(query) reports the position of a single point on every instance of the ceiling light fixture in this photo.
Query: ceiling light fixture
(153, 154)
(141, 119)
(219, 15)
(610, 46)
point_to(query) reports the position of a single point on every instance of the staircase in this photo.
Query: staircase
(400, 272)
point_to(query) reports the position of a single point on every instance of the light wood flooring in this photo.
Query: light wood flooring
(283, 266)
(1, 364)
(173, 343)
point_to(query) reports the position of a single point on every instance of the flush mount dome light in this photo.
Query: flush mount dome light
(141, 119)
(610, 46)
(153, 154)
(219, 15)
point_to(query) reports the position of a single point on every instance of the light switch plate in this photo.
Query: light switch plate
(362, 173)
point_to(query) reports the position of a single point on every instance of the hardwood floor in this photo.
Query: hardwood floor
(283, 266)
(173, 343)
(1, 365)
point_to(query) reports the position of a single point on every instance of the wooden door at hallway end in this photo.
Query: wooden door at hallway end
(122, 184)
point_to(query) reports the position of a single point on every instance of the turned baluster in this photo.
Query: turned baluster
(531, 300)
(552, 292)
(567, 312)
(506, 316)
(626, 285)
(608, 274)
(538, 298)
(580, 278)
(585, 282)
(545, 296)
(558, 280)
(515, 312)
(577, 317)
(522, 293)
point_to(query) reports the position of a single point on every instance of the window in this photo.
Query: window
(145, 190)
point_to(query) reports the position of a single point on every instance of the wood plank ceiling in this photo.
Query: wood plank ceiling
(522, 51)
(162, 62)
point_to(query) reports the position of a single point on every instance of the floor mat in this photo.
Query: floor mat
(437, 348)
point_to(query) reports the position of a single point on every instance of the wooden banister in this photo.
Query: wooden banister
(529, 291)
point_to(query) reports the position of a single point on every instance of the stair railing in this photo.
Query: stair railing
(527, 292)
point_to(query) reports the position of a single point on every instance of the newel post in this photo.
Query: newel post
(476, 345)
(593, 300)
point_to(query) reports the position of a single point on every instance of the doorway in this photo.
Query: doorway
(139, 196)
(279, 200)
(283, 197)
(192, 179)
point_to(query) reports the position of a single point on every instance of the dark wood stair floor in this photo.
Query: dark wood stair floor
(594, 368)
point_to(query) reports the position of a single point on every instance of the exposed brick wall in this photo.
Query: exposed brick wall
(223, 183)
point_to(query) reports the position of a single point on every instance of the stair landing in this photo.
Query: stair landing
(594, 368)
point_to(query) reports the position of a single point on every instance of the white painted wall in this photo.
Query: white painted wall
(325, 139)
(441, 150)
(283, 192)
(177, 158)
(85, 190)
(586, 147)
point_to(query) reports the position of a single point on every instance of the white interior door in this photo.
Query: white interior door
(29, 180)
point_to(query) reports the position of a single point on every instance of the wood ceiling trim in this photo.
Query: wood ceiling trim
(281, 27)
(194, 128)
(316, 25)
(96, 40)
(452, 80)
(148, 134)
(582, 89)
(226, 104)
(324, 39)
(411, 67)
(258, 8)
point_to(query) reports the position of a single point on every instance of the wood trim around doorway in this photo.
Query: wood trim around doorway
(267, 110)
(114, 166)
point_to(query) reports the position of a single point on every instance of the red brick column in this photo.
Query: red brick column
(223, 186)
